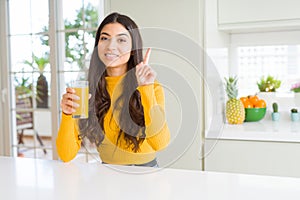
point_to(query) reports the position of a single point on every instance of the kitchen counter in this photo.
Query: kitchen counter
(264, 147)
(24, 178)
(284, 130)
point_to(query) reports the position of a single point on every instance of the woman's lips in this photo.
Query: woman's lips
(110, 56)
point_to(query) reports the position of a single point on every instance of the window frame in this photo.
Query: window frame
(4, 86)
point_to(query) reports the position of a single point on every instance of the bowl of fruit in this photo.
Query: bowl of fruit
(255, 108)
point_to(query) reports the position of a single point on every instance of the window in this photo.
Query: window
(32, 69)
(280, 61)
(263, 54)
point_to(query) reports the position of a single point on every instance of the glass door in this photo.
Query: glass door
(50, 44)
(40, 70)
(30, 78)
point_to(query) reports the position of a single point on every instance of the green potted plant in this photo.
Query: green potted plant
(275, 113)
(22, 87)
(294, 114)
(269, 84)
(267, 87)
(40, 63)
(23, 96)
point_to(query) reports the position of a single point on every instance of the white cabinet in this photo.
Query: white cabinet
(253, 157)
(238, 15)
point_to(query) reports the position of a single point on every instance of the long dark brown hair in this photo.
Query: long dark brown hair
(130, 117)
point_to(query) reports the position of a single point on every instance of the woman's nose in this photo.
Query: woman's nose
(112, 44)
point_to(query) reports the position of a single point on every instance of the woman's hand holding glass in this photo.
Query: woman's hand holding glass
(67, 103)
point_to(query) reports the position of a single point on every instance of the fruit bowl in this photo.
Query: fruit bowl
(254, 114)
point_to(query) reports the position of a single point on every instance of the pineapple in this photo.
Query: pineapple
(235, 111)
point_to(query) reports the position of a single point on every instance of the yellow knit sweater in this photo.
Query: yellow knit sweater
(157, 131)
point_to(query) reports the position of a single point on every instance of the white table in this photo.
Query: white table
(23, 178)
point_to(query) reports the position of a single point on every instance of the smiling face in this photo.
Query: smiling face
(114, 46)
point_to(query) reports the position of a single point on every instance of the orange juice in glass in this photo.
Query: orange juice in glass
(82, 91)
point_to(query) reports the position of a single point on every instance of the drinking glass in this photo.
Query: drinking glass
(82, 91)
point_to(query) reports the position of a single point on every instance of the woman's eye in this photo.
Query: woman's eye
(122, 40)
(103, 38)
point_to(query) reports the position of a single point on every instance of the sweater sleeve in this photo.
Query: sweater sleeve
(67, 141)
(153, 101)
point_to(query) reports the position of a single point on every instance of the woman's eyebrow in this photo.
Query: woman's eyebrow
(121, 34)
(104, 33)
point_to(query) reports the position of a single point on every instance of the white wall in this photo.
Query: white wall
(216, 68)
(174, 30)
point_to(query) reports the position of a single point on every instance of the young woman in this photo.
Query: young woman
(126, 108)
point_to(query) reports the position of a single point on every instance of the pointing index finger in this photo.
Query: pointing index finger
(147, 56)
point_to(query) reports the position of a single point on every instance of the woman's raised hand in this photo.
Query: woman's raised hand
(145, 75)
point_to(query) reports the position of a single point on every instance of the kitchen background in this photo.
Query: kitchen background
(48, 43)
